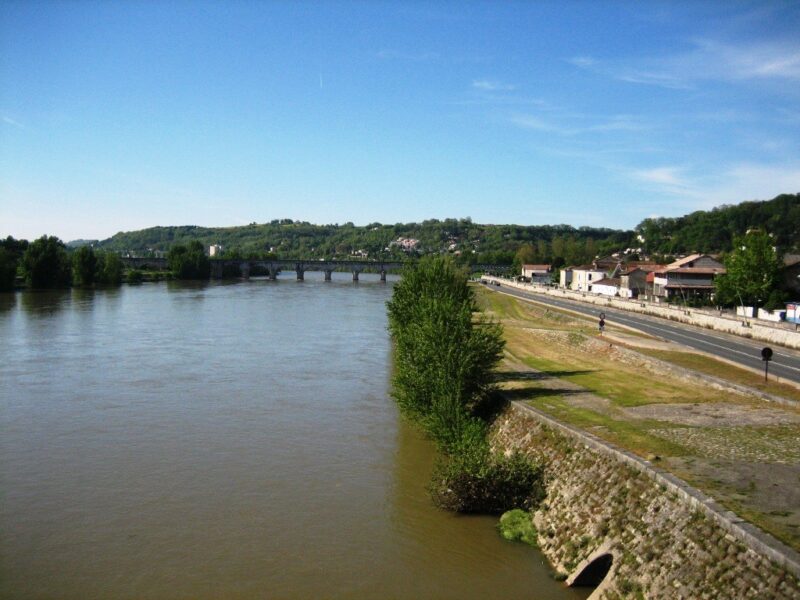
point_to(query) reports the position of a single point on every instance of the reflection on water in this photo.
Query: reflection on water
(8, 301)
(217, 440)
(44, 302)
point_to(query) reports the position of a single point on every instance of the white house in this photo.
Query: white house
(585, 276)
(536, 273)
(608, 286)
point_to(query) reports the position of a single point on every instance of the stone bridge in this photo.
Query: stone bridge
(299, 266)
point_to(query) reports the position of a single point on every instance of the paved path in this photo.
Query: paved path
(747, 353)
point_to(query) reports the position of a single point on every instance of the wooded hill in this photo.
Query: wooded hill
(714, 230)
(701, 231)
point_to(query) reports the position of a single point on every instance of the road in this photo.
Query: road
(747, 353)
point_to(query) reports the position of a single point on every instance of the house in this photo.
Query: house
(691, 276)
(215, 250)
(565, 278)
(608, 286)
(584, 276)
(536, 273)
(633, 278)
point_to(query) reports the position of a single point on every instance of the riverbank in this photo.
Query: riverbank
(611, 518)
(732, 445)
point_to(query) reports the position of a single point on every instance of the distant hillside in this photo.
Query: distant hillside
(714, 230)
(291, 239)
(701, 231)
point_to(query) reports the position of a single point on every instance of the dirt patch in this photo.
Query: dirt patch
(718, 414)
(635, 341)
(776, 444)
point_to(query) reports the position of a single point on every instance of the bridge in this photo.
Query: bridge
(274, 266)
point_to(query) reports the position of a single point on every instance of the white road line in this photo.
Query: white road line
(631, 323)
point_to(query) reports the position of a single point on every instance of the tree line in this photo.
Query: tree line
(445, 353)
(47, 263)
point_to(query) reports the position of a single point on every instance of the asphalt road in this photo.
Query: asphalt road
(785, 363)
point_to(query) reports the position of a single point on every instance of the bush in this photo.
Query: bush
(517, 525)
(487, 483)
(135, 277)
(189, 262)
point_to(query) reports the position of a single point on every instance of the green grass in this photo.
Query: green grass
(633, 436)
(623, 385)
(717, 368)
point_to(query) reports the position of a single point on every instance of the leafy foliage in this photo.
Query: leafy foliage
(445, 354)
(752, 271)
(11, 252)
(84, 266)
(716, 230)
(471, 242)
(189, 262)
(471, 483)
(8, 270)
(46, 264)
(517, 525)
(109, 268)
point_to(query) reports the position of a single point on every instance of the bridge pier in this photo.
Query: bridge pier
(355, 274)
(328, 274)
(300, 274)
(244, 269)
(383, 276)
(273, 269)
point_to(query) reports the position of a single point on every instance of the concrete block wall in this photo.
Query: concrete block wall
(667, 539)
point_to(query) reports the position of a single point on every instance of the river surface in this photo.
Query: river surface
(225, 441)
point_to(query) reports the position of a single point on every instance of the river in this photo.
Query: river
(225, 440)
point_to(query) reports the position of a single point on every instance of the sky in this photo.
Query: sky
(116, 116)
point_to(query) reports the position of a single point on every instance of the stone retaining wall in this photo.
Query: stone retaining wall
(780, 334)
(667, 539)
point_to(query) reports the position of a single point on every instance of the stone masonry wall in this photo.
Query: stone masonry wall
(667, 540)
(764, 331)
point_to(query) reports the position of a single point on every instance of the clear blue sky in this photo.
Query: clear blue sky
(122, 115)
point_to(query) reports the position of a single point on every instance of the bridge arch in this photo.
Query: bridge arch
(594, 571)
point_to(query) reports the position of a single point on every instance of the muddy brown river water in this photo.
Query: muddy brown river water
(225, 441)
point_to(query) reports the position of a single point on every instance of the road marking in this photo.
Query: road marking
(632, 323)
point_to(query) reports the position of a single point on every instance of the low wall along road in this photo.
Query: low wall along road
(780, 334)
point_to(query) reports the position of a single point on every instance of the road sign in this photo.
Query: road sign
(766, 356)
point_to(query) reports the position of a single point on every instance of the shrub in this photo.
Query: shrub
(517, 525)
(135, 277)
(471, 483)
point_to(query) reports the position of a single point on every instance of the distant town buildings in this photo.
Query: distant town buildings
(215, 250)
(405, 244)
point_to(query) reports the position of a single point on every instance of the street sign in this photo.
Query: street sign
(766, 356)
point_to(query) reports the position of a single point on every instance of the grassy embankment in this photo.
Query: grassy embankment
(743, 451)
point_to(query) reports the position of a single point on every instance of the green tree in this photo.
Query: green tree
(46, 264)
(525, 255)
(11, 252)
(189, 262)
(109, 268)
(444, 352)
(8, 270)
(84, 265)
(752, 271)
